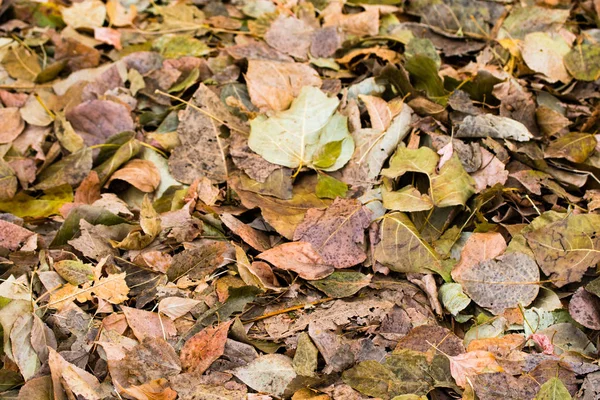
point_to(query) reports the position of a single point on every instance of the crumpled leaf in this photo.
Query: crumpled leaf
(337, 233)
(453, 298)
(291, 138)
(299, 257)
(489, 125)
(564, 249)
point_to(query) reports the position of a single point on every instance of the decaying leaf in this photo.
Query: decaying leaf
(337, 233)
(202, 349)
(300, 257)
(564, 249)
(472, 363)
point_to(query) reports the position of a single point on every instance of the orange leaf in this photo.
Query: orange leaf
(472, 363)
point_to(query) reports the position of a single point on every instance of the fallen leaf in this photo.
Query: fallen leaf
(112, 288)
(291, 139)
(284, 215)
(337, 233)
(585, 309)
(544, 53)
(479, 247)
(96, 120)
(269, 373)
(255, 238)
(13, 236)
(299, 257)
(342, 283)
(148, 324)
(402, 249)
(489, 125)
(142, 174)
(88, 14)
(202, 151)
(576, 147)
(157, 389)
(472, 363)
(175, 307)
(13, 124)
(581, 62)
(290, 35)
(273, 85)
(553, 389)
(507, 281)
(564, 249)
(305, 358)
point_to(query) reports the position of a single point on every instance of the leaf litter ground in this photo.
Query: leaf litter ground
(303, 199)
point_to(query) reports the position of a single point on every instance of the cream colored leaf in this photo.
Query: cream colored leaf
(175, 307)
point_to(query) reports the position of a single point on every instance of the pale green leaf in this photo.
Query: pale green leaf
(294, 137)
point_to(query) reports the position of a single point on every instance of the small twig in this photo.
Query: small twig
(285, 310)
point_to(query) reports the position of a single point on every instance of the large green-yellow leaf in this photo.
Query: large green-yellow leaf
(407, 199)
(26, 206)
(575, 146)
(302, 135)
(553, 389)
(423, 160)
(452, 186)
(401, 247)
(583, 62)
(566, 248)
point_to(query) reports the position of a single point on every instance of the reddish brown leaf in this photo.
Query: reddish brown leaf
(202, 349)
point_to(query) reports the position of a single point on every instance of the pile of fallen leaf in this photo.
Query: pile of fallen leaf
(305, 199)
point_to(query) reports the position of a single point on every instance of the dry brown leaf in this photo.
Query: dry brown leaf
(175, 307)
(12, 124)
(13, 236)
(142, 174)
(157, 389)
(584, 307)
(112, 288)
(491, 173)
(202, 349)
(337, 233)
(379, 112)
(255, 238)
(290, 35)
(88, 190)
(299, 257)
(273, 85)
(148, 324)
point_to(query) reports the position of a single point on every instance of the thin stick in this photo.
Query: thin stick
(285, 310)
